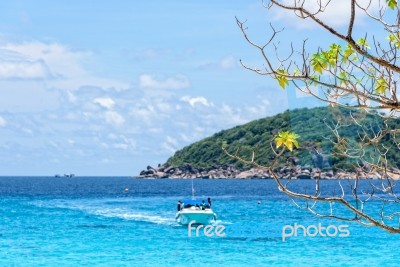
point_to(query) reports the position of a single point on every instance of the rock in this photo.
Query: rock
(362, 175)
(147, 173)
(376, 175)
(170, 170)
(320, 161)
(303, 176)
(149, 168)
(161, 175)
(187, 168)
(220, 174)
(187, 171)
(294, 160)
(161, 169)
(245, 175)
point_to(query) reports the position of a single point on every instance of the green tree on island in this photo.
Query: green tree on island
(359, 72)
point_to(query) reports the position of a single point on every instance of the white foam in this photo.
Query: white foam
(221, 222)
(99, 208)
(134, 215)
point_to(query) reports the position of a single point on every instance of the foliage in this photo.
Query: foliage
(359, 75)
(287, 139)
(314, 139)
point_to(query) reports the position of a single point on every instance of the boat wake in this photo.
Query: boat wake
(103, 208)
(220, 222)
(134, 215)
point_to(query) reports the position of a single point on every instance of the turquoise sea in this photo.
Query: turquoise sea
(92, 221)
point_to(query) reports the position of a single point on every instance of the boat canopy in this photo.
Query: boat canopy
(193, 202)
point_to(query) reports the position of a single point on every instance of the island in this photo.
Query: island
(316, 157)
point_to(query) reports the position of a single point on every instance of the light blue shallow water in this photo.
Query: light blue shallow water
(91, 221)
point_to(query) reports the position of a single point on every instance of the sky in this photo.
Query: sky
(109, 87)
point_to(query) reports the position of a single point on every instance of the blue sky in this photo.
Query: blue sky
(109, 87)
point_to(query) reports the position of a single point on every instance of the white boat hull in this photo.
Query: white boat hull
(186, 216)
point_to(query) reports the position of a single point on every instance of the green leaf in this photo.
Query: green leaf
(279, 142)
(392, 3)
(335, 47)
(347, 53)
(315, 79)
(344, 78)
(289, 145)
(381, 85)
(296, 143)
(319, 62)
(363, 43)
(282, 80)
(391, 38)
(288, 139)
(394, 40)
(332, 54)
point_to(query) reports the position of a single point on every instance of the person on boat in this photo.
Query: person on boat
(203, 205)
(179, 205)
(209, 201)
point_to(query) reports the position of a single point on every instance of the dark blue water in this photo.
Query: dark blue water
(92, 221)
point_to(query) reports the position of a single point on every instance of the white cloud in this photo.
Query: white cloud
(168, 147)
(61, 66)
(105, 102)
(172, 140)
(121, 146)
(226, 63)
(27, 131)
(113, 117)
(61, 60)
(147, 81)
(152, 53)
(261, 107)
(71, 97)
(195, 100)
(184, 137)
(233, 116)
(164, 107)
(23, 70)
(337, 13)
(129, 124)
(142, 113)
(3, 122)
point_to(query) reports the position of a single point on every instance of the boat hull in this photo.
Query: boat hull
(184, 217)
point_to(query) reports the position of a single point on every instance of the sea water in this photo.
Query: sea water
(121, 221)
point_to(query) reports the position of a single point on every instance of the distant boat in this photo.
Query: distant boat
(196, 211)
(57, 176)
(69, 175)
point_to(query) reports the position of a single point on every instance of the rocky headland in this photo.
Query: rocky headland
(315, 157)
(231, 172)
